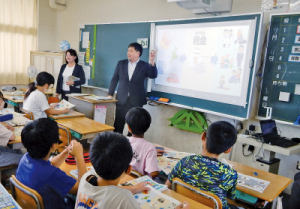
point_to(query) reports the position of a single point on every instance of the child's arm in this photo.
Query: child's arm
(137, 188)
(169, 184)
(181, 206)
(154, 174)
(51, 111)
(59, 159)
(2, 104)
(77, 152)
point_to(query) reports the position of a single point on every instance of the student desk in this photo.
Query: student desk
(276, 186)
(70, 114)
(84, 128)
(193, 204)
(87, 106)
(17, 104)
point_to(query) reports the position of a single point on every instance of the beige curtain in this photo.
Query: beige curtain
(18, 35)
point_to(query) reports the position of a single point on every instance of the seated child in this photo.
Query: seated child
(144, 153)
(36, 171)
(110, 155)
(8, 156)
(205, 171)
(294, 201)
(2, 102)
(35, 100)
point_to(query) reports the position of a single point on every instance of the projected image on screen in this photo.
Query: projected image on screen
(205, 60)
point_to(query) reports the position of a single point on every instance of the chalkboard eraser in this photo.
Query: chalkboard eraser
(164, 100)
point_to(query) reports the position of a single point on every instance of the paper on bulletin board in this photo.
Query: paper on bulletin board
(85, 39)
(87, 72)
(100, 113)
(275, 5)
(81, 58)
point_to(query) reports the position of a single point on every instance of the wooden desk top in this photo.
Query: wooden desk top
(285, 151)
(93, 101)
(83, 125)
(10, 98)
(276, 186)
(71, 114)
(193, 204)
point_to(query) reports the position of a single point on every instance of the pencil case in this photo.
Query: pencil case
(6, 117)
(71, 160)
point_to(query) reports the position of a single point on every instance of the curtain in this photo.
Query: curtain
(18, 35)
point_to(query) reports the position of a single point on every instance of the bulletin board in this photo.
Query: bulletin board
(281, 78)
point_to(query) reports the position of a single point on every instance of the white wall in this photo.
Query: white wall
(55, 26)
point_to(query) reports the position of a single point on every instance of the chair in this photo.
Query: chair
(135, 174)
(204, 197)
(25, 196)
(64, 135)
(53, 100)
(27, 114)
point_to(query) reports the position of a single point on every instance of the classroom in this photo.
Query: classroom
(55, 25)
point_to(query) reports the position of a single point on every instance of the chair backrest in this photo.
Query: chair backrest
(25, 196)
(53, 100)
(204, 197)
(135, 174)
(64, 135)
(27, 114)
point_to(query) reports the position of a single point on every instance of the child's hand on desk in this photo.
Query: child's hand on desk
(66, 110)
(75, 149)
(139, 187)
(185, 206)
(160, 152)
(9, 127)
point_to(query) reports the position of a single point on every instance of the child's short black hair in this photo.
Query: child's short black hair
(38, 137)
(138, 119)
(110, 154)
(220, 136)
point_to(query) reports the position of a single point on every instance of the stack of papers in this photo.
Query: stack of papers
(166, 164)
(97, 98)
(63, 105)
(18, 97)
(6, 111)
(177, 155)
(14, 93)
(6, 200)
(155, 185)
(72, 78)
(253, 183)
(155, 199)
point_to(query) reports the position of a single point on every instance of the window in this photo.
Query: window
(18, 35)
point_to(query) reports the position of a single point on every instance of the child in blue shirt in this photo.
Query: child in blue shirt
(36, 171)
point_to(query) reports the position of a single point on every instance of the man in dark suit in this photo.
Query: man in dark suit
(131, 74)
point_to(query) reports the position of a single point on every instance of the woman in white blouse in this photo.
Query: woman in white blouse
(65, 85)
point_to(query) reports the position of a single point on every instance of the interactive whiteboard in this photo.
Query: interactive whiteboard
(210, 60)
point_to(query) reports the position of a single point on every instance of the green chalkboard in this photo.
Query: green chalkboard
(111, 42)
(281, 78)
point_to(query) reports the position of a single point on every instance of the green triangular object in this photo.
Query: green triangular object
(189, 120)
